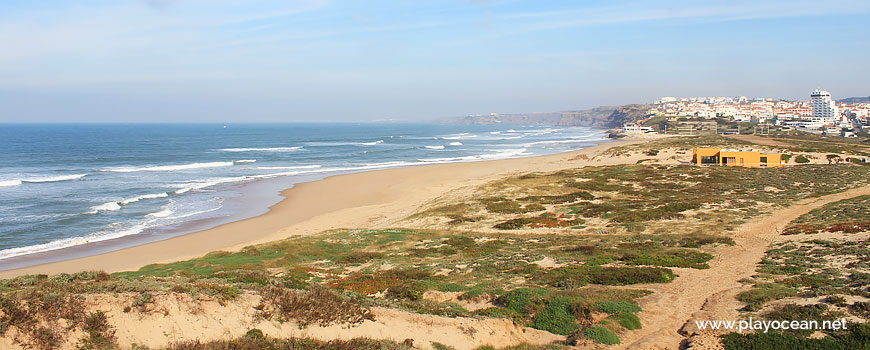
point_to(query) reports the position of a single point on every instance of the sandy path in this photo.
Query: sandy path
(710, 294)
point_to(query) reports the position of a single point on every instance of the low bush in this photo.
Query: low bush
(696, 241)
(519, 300)
(315, 305)
(359, 257)
(620, 276)
(556, 317)
(836, 300)
(568, 277)
(628, 321)
(673, 258)
(101, 335)
(763, 293)
(514, 224)
(559, 199)
(601, 335)
(857, 336)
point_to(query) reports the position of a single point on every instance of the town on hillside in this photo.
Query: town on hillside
(734, 115)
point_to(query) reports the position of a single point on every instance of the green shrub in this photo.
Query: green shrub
(408, 290)
(518, 300)
(499, 312)
(101, 335)
(560, 199)
(628, 320)
(620, 276)
(556, 317)
(533, 207)
(801, 159)
(568, 277)
(761, 294)
(673, 258)
(601, 335)
(504, 206)
(836, 300)
(857, 336)
(439, 346)
(358, 257)
(461, 242)
(514, 224)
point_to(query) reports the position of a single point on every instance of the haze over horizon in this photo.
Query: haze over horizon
(283, 61)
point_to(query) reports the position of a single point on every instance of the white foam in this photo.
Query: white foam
(245, 161)
(372, 143)
(163, 213)
(195, 213)
(209, 183)
(144, 196)
(266, 149)
(110, 206)
(10, 183)
(497, 155)
(72, 241)
(434, 147)
(55, 178)
(452, 137)
(553, 142)
(169, 167)
(455, 144)
(287, 167)
(16, 182)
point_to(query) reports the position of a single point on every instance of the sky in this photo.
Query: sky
(368, 60)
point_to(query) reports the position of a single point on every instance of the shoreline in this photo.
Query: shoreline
(370, 199)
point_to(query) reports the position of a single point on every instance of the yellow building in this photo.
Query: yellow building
(735, 157)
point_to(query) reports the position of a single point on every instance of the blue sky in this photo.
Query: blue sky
(320, 60)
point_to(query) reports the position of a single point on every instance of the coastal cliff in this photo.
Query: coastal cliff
(604, 116)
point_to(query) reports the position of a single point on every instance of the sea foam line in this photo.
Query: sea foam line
(264, 149)
(10, 183)
(72, 241)
(16, 182)
(116, 205)
(169, 167)
(287, 167)
(55, 178)
(490, 156)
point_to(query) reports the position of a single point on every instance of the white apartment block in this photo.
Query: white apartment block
(824, 109)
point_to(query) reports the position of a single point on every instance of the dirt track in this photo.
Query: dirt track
(710, 294)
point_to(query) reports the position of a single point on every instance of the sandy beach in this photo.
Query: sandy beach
(373, 199)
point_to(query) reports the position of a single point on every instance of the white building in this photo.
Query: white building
(634, 129)
(824, 109)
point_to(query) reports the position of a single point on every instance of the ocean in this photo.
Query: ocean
(65, 186)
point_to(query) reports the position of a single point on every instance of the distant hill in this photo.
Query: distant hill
(605, 116)
(855, 100)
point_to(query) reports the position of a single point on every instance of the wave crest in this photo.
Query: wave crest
(264, 149)
(169, 167)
